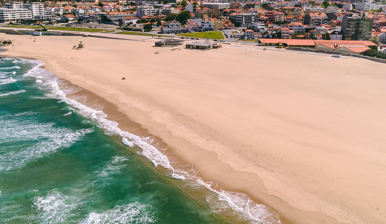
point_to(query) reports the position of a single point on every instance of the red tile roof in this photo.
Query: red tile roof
(289, 42)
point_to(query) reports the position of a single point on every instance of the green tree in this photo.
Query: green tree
(147, 27)
(265, 6)
(183, 17)
(184, 3)
(171, 17)
(325, 4)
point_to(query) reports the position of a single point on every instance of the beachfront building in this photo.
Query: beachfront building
(288, 43)
(168, 43)
(37, 10)
(356, 28)
(249, 34)
(13, 12)
(245, 19)
(172, 27)
(202, 45)
(200, 25)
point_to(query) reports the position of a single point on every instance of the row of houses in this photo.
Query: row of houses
(197, 25)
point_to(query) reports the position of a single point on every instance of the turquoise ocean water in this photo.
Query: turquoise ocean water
(62, 162)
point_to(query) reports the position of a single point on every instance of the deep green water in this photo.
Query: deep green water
(57, 166)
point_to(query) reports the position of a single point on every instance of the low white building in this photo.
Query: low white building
(249, 34)
(172, 27)
(347, 6)
(259, 27)
(200, 25)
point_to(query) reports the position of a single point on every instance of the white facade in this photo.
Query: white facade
(7, 15)
(172, 27)
(189, 7)
(37, 10)
(335, 36)
(20, 11)
(347, 6)
(201, 25)
(259, 26)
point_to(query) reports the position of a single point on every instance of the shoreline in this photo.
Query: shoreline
(213, 166)
(83, 99)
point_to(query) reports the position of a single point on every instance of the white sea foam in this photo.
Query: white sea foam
(240, 203)
(10, 68)
(12, 93)
(48, 140)
(7, 81)
(113, 167)
(67, 114)
(55, 207)
(122, 214)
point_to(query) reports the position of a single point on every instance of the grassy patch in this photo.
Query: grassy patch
(22, 26)
(247, 40)
(74, 29)
(208, 35)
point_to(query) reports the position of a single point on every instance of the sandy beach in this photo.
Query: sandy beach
(302, 133)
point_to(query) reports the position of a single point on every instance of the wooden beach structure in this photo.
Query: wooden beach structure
(202, 45)
(168, 43)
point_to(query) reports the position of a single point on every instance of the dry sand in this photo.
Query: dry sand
(303, 133)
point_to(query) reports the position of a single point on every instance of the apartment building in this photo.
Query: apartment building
(315, 19)
(20, 11)
(245, 19)
(356, 28)
(15, 12)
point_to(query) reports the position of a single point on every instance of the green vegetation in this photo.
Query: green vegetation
(75, 29)
(148, 27)
(183, 17)
(326, 4)
(23, 26)
(373, 52)
(207, 35)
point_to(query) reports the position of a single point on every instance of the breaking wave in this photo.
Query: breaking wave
(12, 93)
(7, 81)
(122, 214)
(54, 207)
(47, 137)
(238, 202)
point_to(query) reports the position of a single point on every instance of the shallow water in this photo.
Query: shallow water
(62, 162)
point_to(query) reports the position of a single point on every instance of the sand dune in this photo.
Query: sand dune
(302, 133)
